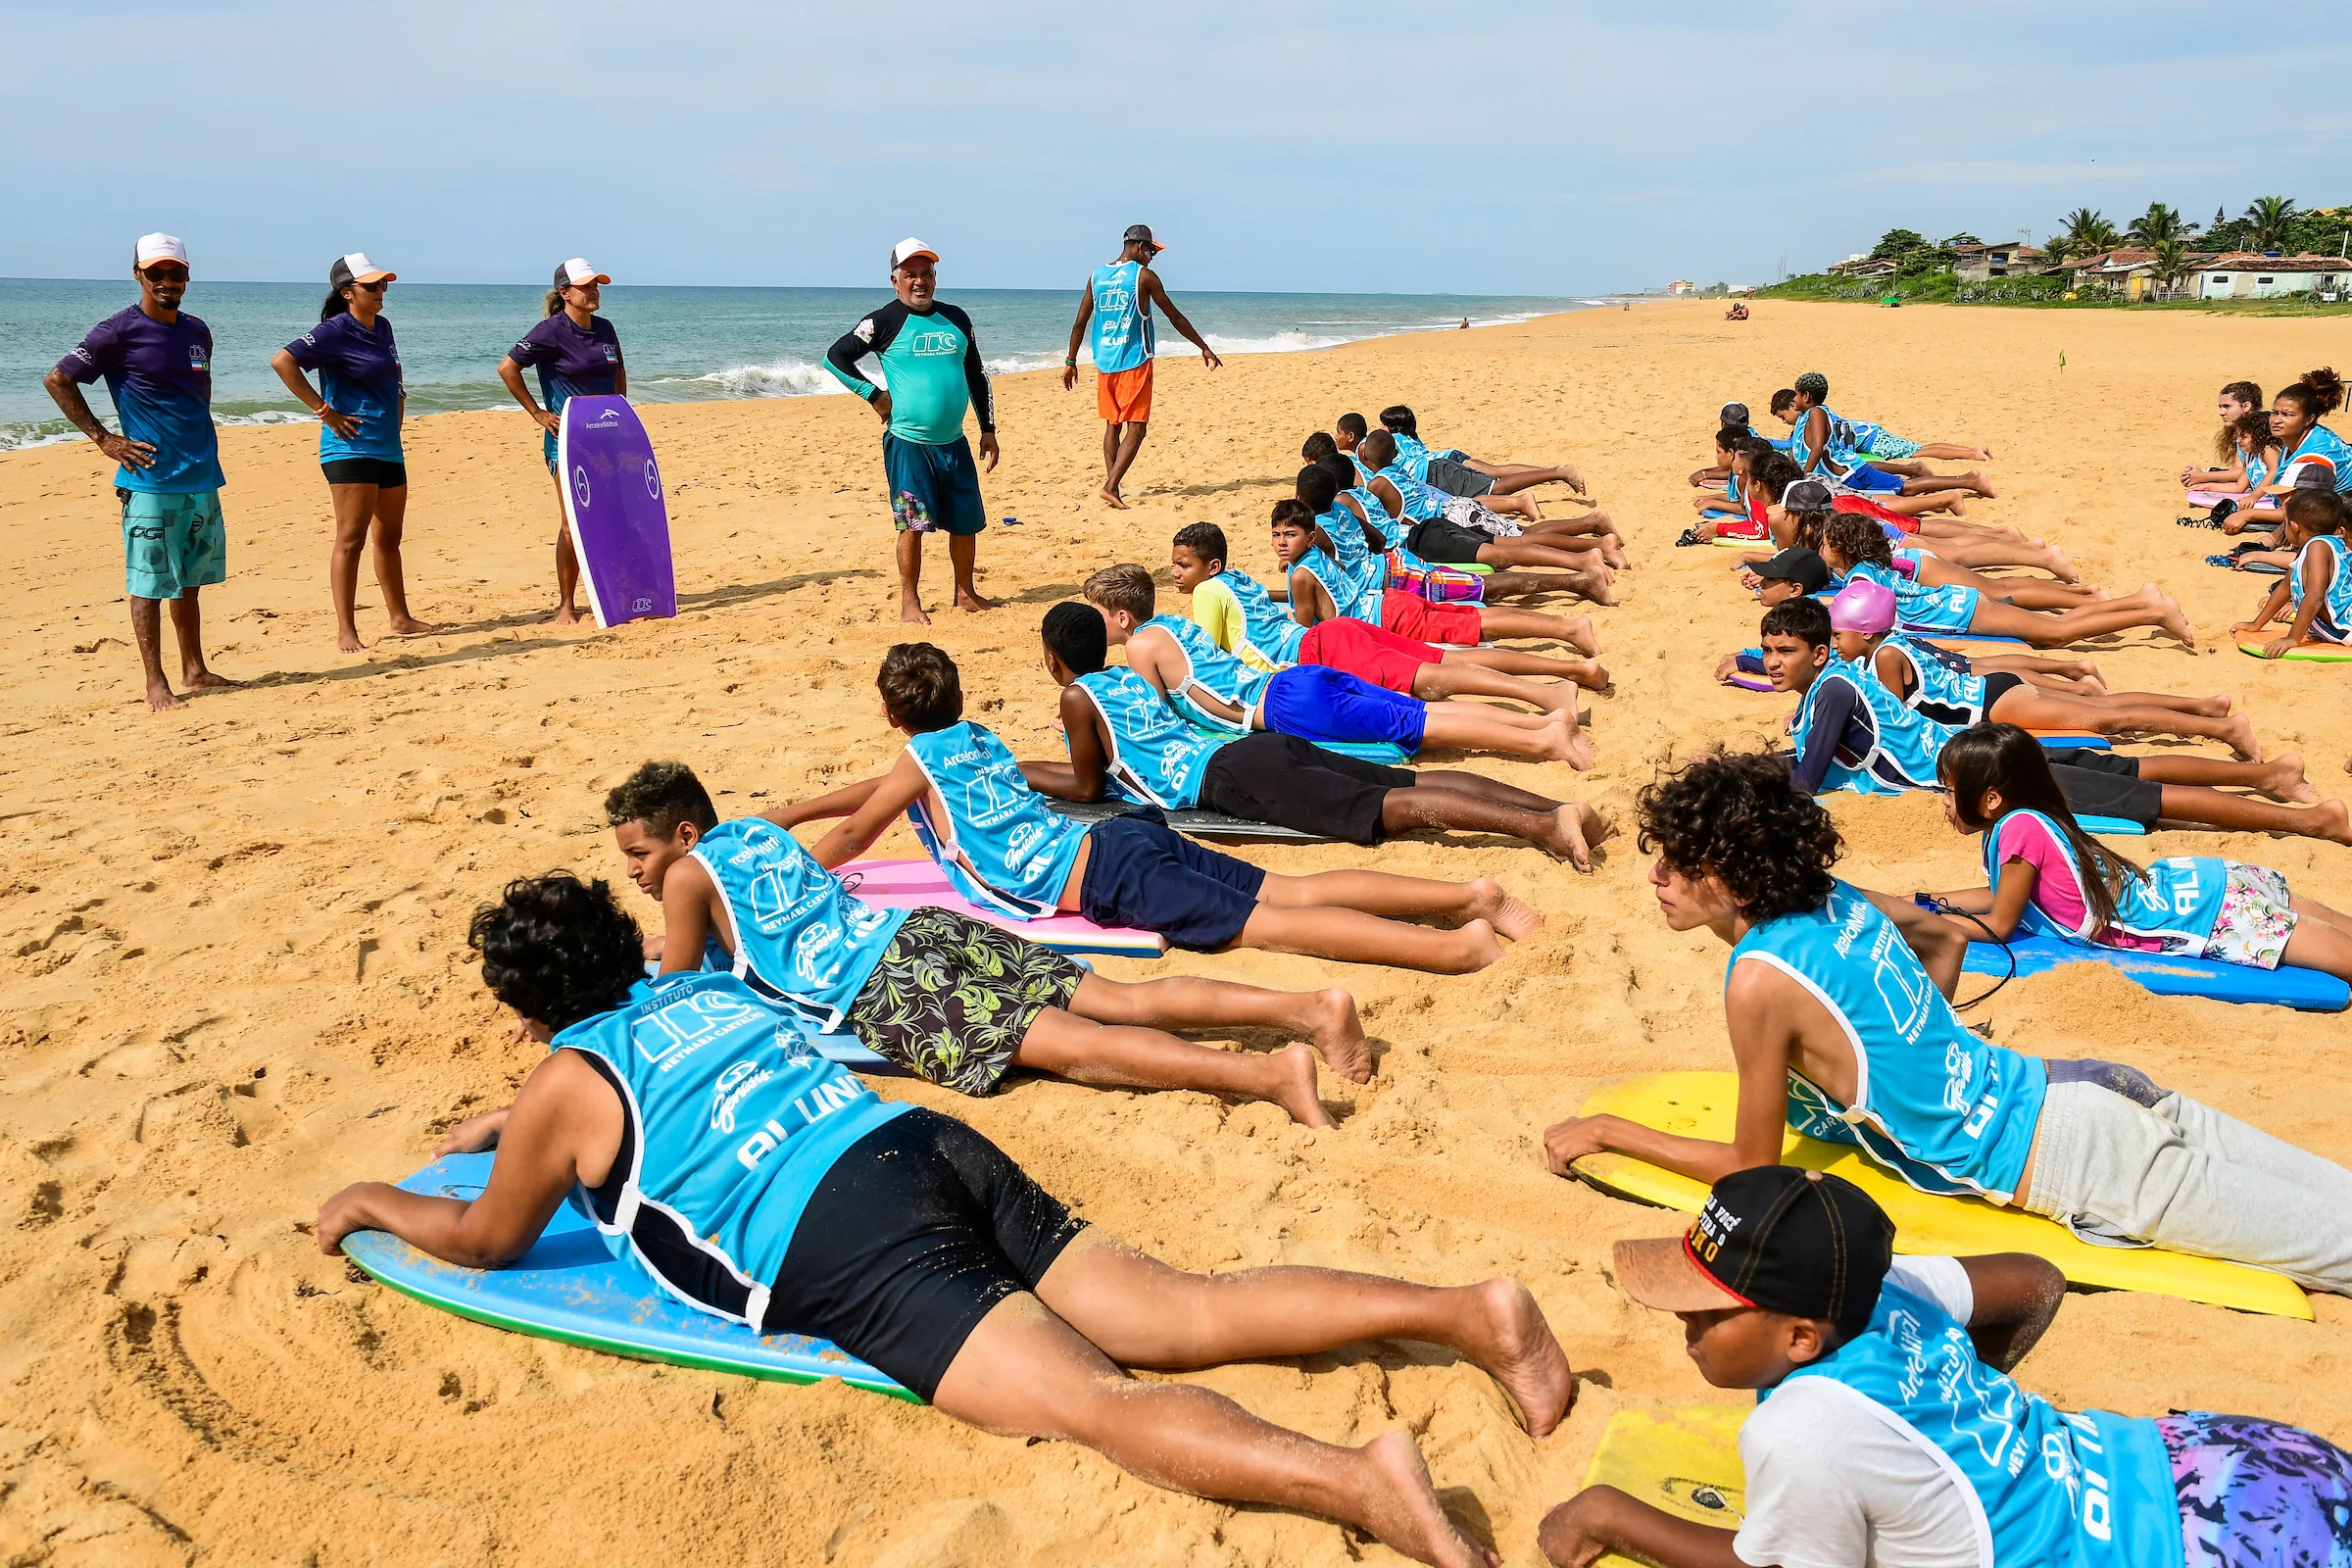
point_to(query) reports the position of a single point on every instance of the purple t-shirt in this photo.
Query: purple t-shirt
(161, 378)
(358, 374)
(571, 363)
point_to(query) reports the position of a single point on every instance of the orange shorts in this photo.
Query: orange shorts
(1124, 397)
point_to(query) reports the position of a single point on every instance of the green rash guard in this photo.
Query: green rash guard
(932, 363)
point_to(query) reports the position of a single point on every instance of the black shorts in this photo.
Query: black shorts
(1141, 872)
(1998, 685)
(920, 1228)
(1296, 784)
(1458, 479)
(383, 472)
(1448, 544)
(2106, 784)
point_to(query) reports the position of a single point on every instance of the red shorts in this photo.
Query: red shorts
(1871, 509)
(1367, 652)
(1124, 397)
(1425, 622)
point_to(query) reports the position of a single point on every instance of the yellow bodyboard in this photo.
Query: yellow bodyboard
(1684, 1462)
(1701, 1105)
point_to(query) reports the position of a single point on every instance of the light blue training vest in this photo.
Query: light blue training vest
(1941, 679)
(2335, 619)
(1355, 594)
(1412, 455)
(1391, 531)
(1155, 756)
(1000, 845)
(1271, 630)
(2176, 903)
(733, 1119)
(1211, 669)
(1945, 1111)
(1123, 327)
(1906, 740)
(1421, 503)
(2041, 1486)
(1951, 607)
(799, 937)
(2323, 446)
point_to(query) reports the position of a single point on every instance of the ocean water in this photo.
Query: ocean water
(682, 344)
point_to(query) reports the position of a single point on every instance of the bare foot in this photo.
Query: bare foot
(1571, 746)
(1574, 830)
(2062, 568)
(911, 612)
(1294, 1086)
(411, 626)
(2283, 781)
(1597, 592)
(1400, 1507)
(969, 601)
(1591, 674)
(2329, 819)
(1578, 633)
(2176, 622)
(1957, 505)
(1475, 947)
(567, 615)
(1512, 917)
(2240, 737)
(2217, 706)
(162, 699)
(204, 680)
(1111, 498)
(1977, 483)
(348, 642)
(1519, 1352)
(1339, 1035)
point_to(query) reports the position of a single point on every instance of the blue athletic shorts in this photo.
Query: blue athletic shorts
(172, 543)
(1317, 702)
(933, 487)
(1876, 481)
(1141, 872)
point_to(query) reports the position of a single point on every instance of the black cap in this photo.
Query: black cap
(1735, 416)
(1806, 494)
(1803, 568)
(2313, 476)
(1800, 1241)
(1141, 234)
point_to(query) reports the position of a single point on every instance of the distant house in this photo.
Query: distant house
(1980, 264)
(2245, 276)
(2128, 273)
(1681, 285)
(1865, 268)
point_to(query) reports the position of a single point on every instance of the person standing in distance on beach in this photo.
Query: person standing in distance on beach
(932, 363)
(579, 354)
(158, 364)
(360, 402)
(1119, 298)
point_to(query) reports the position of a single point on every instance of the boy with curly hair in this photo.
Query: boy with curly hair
(1836, 1001)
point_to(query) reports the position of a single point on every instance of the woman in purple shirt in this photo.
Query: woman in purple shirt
(579, 354)
(360, 403)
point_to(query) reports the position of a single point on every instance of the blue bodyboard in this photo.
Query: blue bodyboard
(570, 1289)
(2310, 990)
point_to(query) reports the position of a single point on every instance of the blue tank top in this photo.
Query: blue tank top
(2042, 1487)
(1354, 594)
(1412, 455)
(1943, 684)
(1211, 669)
(1945, 1111)
(2175, 906)
(2323, 446)
(2334, 620)
(799, 937)
(2257, 472)
(1949, 608)
(1904, 742)
(1391, 531)
(1270, 629)
(1123, 327)
(1000, 845)
(1155, 756)
(1421, 503)
(730, 1119)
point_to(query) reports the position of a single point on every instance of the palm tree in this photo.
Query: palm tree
(2155, 227)
(2172, 262)
(2270, 217)
(2087, 232)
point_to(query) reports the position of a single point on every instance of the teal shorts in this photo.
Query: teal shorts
(172, 544)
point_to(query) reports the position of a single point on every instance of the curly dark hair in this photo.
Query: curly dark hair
(1737, 817)
(1858, 539)
(660, 795)
(558, 950)
(920, 686)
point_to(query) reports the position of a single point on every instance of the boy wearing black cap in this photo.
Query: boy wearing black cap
(1888, 1429)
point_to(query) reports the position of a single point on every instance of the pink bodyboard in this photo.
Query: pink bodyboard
(915, 884)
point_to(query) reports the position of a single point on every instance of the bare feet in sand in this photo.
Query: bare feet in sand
(2283, 780)
(1402, 1508)
(2333, 820)
(2176, 622)
(411, 626)
(1294, 1086)
(1512, 917)
(911, 612)
(969, 601)
(348, 642)
(567, 615)
(1578, 633)
(2240, 738)
(1562, 742)
(1111, 498)
(1575, 831)
(1590, 674)
(1976, 480)
(160, 698)
(1339, 1036)
(1474, 946)
(1518, 1352)
(204, 680)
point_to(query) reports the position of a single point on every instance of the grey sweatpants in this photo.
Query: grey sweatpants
(2185, 1176)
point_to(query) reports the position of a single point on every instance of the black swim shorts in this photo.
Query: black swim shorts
(912, 1237)
(383, 472)
(952, 997)
(1448, 544)
(1268, 777)
(2106, 784)
(1141, 872)
(1458, 478)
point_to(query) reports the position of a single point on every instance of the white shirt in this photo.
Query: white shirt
(1829, 1487)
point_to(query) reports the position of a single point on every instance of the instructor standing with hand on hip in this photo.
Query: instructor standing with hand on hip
(1119, 298)
(579, 354)
(932, 363)
(158, 364)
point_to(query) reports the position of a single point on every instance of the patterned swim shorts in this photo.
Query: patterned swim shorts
(952, 997)
(2255, 919)
(1408, 573)
(2255, 1492)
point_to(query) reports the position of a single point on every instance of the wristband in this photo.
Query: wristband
(1070, 364)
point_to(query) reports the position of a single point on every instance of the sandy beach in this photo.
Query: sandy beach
(236, 974)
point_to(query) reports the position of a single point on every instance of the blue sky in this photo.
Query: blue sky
(1478, 147)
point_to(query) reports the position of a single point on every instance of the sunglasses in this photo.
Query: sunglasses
(376, 287)
(167, 274)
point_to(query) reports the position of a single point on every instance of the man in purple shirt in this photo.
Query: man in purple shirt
(158, 365)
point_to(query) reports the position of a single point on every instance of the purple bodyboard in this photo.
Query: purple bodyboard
(613, 502)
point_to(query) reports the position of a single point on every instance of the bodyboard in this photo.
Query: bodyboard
(570, 1289)
(2313, 652)
(912, 884)
(1684, 1462)
(2172, 975)
(1701, 1104)
(613, 505)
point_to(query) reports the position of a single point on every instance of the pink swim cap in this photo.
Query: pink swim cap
(1863, 606)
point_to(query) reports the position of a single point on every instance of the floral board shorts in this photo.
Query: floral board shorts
(2255, 1492)
(2255, 919)
(952, 997)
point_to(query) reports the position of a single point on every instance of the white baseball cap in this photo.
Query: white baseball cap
(907, 250)
(159, 248)
(576, 271)
(357, 268)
